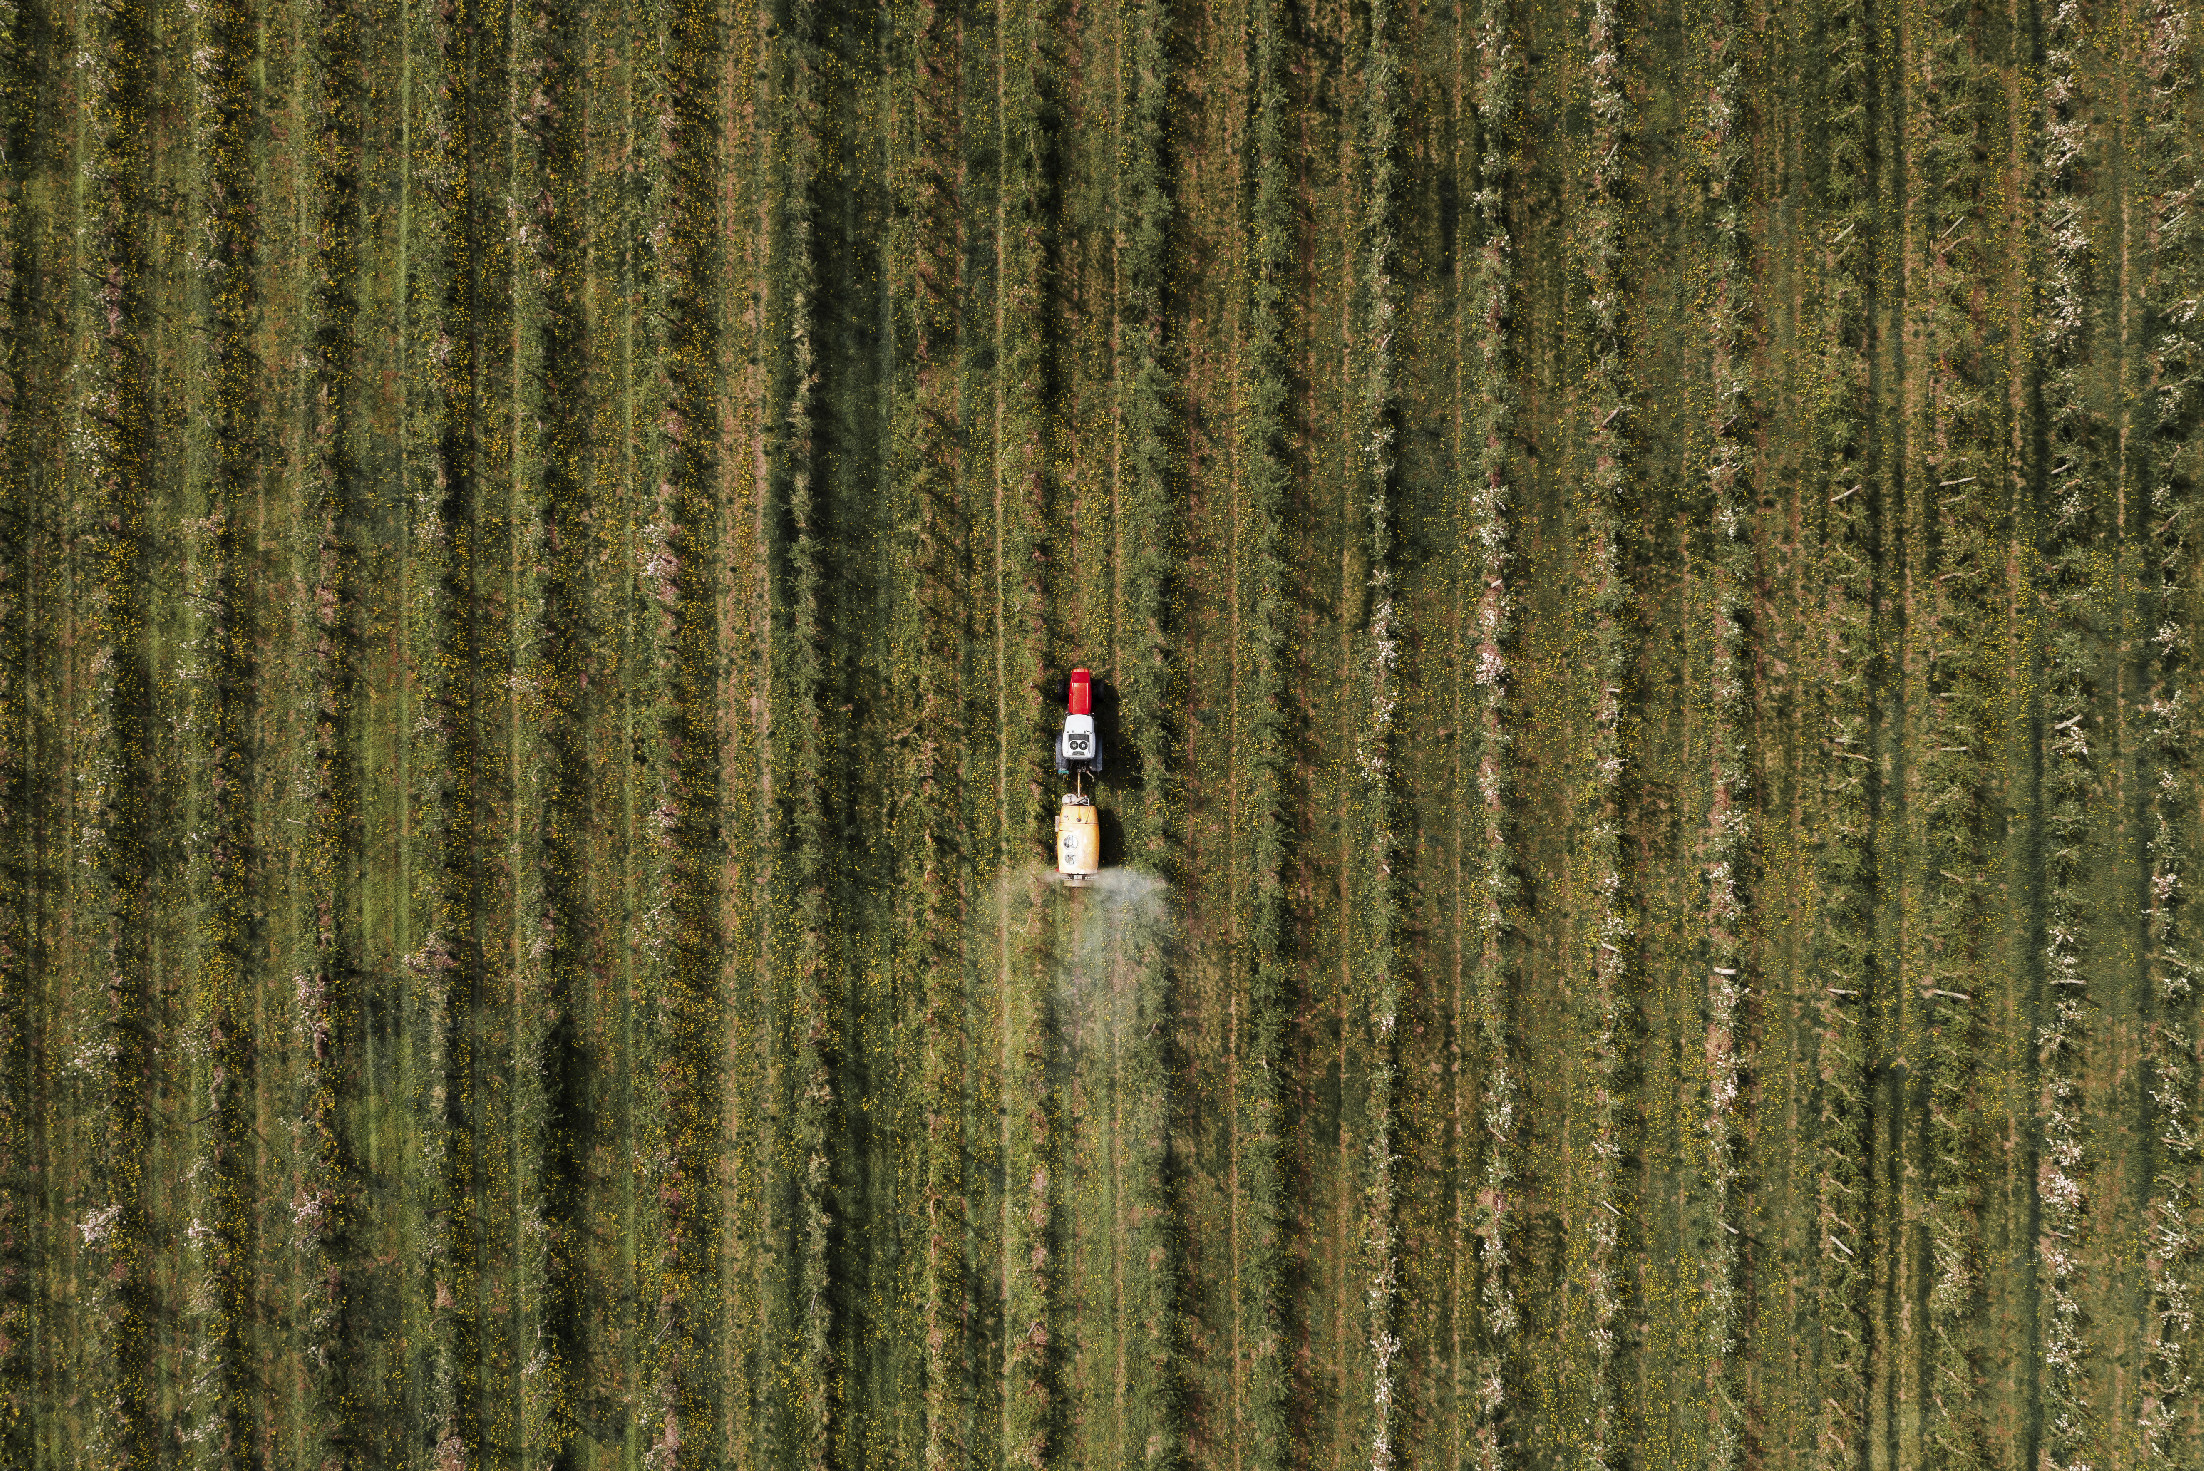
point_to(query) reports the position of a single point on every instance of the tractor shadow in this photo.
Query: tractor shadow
(1113, 836)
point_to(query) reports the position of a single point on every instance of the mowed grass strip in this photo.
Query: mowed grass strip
(746, 158)
(498, 633)
(799, 1328)
(1149, 534)
(1035, 1167)
(1148, 1327)
(1263, 980)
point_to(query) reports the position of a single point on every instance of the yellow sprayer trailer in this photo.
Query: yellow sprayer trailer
(1078, 838)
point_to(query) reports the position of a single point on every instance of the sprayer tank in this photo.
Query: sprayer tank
(1078, 837)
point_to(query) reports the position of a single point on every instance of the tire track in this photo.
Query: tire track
(804, 1412)
(20, 858)
(1114, 955)
(616, 1328)
(1335, 1366)
(1890, 1015)
(1036, 1161)
(497, 636)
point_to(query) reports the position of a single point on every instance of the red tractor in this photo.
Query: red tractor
(1079, 754)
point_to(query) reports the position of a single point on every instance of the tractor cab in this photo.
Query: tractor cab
(1079, 746)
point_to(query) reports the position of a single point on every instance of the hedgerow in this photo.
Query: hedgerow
(1488, 261)
(1960, 483)
(1843, 715)
(227, 976)
(2169, 609)
(564, 539)
(114, 800)
(2066, 527)
(1378, 649)
(1728, 842)
(1032, 1158)
(800, 1411)
(1606, 940)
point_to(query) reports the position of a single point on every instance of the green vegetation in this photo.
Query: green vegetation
(1842, 728)
(1605, 941)
(1483, 781)
(1641, 569)
(330, 1016)
(1729, 816)
(26, 550)
(222, 1406)
(1379, 658)
(114, 803)
(2175, 365)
